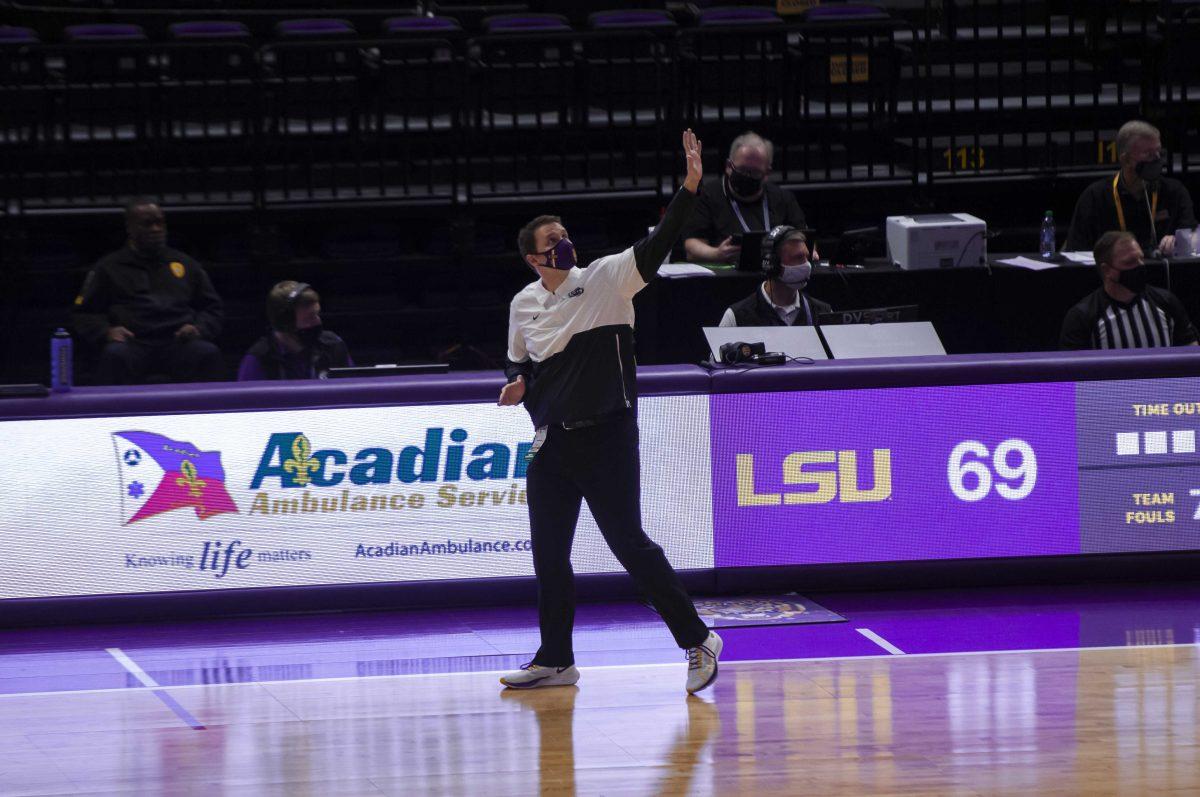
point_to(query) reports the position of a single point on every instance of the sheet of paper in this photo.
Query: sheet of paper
(1086, 258)
(683, 270)
(1029, 263)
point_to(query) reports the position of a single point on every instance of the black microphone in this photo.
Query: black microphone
(1150, 213)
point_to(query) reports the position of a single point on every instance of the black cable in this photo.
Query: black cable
(1150, 213)
(737, 368)
(967, 245)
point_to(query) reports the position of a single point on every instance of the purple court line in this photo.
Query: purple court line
(148, 682)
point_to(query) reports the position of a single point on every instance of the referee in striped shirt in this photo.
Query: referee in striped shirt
(1125, 312)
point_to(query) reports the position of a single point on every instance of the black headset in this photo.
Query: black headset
(281, 310)
(772, 268)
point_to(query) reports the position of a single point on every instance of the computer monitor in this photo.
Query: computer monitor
(870, 315)
(860, 246)
(388, 369)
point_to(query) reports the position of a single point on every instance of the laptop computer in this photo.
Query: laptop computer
(870, 315)
(904, 339)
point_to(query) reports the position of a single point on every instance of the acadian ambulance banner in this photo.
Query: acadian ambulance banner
(262, 499)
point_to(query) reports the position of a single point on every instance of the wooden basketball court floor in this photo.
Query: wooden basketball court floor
(208, 718)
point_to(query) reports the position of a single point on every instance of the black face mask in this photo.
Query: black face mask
(1133, 279)
(744, 184)
(310, 335)
(1149, 171)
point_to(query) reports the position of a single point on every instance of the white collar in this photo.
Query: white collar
(542, 295)
(795, 305)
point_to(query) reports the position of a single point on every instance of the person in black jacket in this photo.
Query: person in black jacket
(150, 308)
(780, 300)
(742, 200)
(1125, 312)
(297, 346)
(1138, 199)
(570, 360)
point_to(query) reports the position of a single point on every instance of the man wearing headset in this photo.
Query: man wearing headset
(780, 300)
(297, 345)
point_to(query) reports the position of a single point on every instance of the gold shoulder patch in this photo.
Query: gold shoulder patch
(177, 269)
(79, 300)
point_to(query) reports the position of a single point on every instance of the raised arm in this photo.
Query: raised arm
(649, 252)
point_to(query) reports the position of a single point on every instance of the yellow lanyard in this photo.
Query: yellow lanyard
(1121, 210)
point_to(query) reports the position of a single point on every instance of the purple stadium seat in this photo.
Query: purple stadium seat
(632, 18)
(104, 32)
(11, 34)
(519, 23)
(845, 12)
(209, 30)
(313, 28)
(738, 15)
(405, 25)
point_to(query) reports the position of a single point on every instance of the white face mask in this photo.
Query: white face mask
(796, 276)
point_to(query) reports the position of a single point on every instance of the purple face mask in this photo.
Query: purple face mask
(561, 256)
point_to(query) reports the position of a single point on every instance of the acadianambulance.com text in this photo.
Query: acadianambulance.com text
(447, 548)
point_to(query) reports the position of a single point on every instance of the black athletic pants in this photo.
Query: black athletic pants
(600, 464)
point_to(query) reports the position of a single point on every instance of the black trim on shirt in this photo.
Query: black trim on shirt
(595, 374)
(650, 252)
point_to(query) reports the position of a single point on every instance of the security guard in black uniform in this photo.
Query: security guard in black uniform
(150, 309)
(570, 360)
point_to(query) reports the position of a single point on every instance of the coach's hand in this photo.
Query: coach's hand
(513, 392)
(695, 167)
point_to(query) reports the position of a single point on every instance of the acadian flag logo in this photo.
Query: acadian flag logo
(159, 474)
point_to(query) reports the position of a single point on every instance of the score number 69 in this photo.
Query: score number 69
(1011, 481)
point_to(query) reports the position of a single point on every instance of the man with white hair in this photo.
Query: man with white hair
(741, 200)
(1138, 199)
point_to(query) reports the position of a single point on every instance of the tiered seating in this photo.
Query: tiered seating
(465, 116)
(434, 108)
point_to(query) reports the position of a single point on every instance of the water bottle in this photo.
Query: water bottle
(61, 360)
(1047, 239)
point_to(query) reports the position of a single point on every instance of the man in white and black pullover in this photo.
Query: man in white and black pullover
(571, 361)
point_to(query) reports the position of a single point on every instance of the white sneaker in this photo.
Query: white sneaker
(532, 675)
(702, 663)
